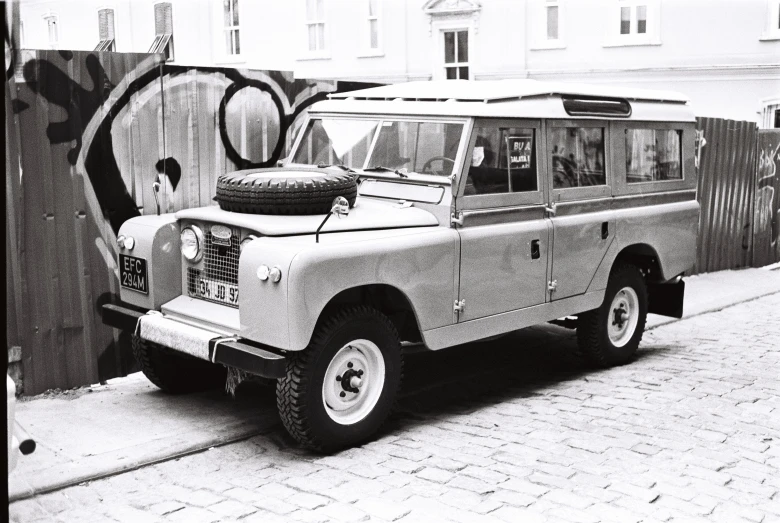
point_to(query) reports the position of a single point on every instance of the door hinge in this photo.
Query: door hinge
(456, 219)
(460, 306)
(552, 285)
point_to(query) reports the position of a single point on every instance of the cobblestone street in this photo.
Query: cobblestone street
(517, 429)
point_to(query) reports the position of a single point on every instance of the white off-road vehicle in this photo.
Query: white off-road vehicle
(433, 212)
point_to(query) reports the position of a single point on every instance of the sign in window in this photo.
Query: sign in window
(503, 161)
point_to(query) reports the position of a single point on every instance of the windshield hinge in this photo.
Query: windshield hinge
(456, 218)
(460, 306)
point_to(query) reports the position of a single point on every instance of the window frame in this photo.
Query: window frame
(652, 34)
(513, 199)
(772, 24)
(107, 44)
(539, 21)
(369, 51)
(456, 64)
(618, 141)
(317, 53)
(229, 29)
(48, 17)
(566, 194)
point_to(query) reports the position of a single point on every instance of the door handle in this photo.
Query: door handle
(535, 250)
(604, 230)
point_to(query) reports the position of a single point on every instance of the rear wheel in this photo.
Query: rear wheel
(174, 372)
(341, 388)
(610, 335)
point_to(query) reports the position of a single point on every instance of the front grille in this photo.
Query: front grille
(220, 264)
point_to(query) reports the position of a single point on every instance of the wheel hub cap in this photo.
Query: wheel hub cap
(624, 316)
(353, 382)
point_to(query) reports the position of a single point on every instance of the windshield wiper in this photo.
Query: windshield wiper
(382, 169)
(339, 165)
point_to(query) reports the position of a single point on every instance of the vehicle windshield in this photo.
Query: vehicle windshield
(424, 147)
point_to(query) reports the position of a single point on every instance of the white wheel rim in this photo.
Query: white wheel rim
(362, 363)
(623, 316)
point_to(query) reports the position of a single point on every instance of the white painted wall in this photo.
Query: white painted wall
(721, 53)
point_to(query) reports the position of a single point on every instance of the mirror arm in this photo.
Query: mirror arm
(317, 234)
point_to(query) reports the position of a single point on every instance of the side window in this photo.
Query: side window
(577, 157)
(653, 155)
(503, 161)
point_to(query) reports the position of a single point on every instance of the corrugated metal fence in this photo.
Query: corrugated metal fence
(726, 189)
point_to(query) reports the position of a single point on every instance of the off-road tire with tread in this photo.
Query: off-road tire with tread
(176, 373)
(292, 191)
(592, 326)
(299, 396)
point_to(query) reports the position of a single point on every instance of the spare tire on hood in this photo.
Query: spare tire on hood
(285, 191)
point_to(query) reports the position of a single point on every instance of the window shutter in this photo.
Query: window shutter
(110, 24)
(168, 19)
(103, 24)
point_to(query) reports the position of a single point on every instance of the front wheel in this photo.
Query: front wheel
(610, 335)
(341, 388)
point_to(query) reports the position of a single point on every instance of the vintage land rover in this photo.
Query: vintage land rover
(435, 213)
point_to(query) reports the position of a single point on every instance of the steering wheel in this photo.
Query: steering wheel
(427, 169)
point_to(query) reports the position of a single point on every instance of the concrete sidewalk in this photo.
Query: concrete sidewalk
(128, 423)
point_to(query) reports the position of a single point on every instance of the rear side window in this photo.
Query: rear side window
(577, 156)
(503, 161)
(653, 155)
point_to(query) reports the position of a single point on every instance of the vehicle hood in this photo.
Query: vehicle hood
(367, 214)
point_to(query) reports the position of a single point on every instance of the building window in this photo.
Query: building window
(634, 22)
(315, 25)
(163, 30)
(772, 27)
(633, 19)
(551, 11)
(373, 25)
(232, 42)
(53, 30)
(106, 30)
(547, 26)
(456, 55)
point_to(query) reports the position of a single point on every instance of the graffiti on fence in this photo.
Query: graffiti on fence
(767, 212)
(98, 129)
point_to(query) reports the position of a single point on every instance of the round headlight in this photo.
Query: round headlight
(275, 275)
(129, 243)
(192, 243)
(121, 241)
(262, 272)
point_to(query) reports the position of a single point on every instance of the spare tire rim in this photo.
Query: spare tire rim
(353, 382)
(623, 316)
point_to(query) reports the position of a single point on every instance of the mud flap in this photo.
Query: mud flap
(666, 299)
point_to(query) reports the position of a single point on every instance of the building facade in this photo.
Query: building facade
(724, 54)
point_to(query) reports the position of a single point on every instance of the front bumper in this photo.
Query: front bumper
(196, 341)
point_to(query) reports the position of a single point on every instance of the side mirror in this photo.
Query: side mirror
(340, 207)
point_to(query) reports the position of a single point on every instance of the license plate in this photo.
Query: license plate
(218, 291)
(132, 273)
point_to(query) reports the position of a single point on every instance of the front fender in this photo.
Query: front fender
(421, 263)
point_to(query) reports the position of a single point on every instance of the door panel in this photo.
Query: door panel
(580, 242)
(503, 267)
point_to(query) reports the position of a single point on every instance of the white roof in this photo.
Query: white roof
(491, 91)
